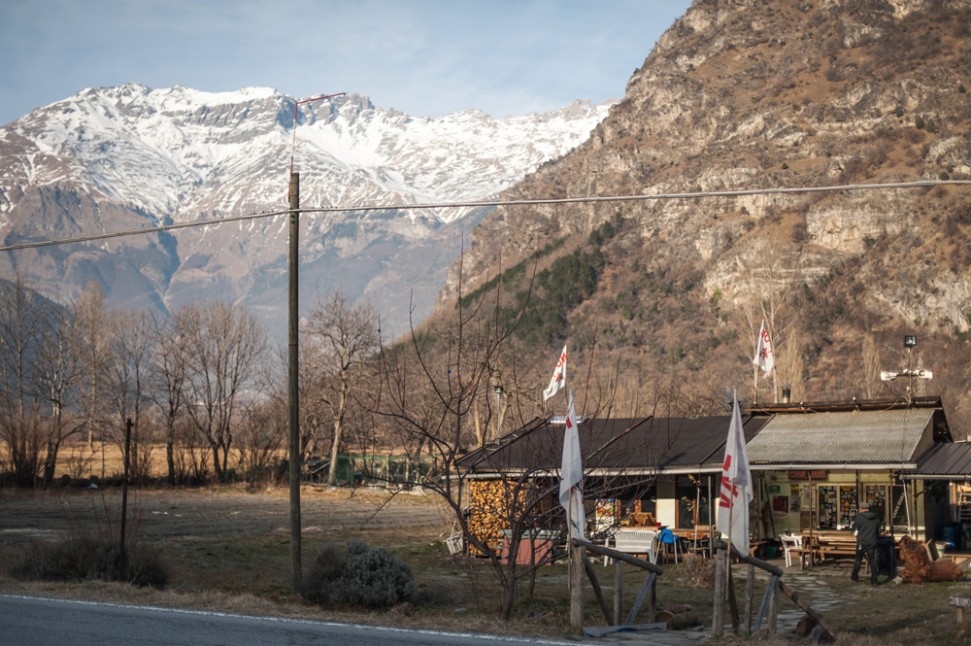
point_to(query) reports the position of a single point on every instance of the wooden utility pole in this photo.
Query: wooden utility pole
(293, 354)
(293, 384)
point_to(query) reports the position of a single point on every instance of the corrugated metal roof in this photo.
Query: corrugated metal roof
(855, 437)
(948, 460)
(613, 446)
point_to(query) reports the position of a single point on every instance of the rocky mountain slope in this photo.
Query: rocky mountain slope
(758, 94)
(130, 157)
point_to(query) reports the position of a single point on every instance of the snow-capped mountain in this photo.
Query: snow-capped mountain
(130, 157)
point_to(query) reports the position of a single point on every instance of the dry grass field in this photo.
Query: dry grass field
(228, 549)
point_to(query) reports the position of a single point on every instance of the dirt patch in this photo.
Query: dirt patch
(155, 516)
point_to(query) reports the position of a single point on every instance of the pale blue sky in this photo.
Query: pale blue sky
(424, 57)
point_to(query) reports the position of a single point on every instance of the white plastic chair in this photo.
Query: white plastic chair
(455, 542)
(634, 541)
(790, 542)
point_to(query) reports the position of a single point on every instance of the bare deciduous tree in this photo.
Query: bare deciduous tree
(261, 436)
(23, 318)
(226, 360)
(344, 336)
(89, 326)
(130, 346)
(59, 370)
(168, 377)
(429, 389)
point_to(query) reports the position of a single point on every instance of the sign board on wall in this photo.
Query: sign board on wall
(817, 474)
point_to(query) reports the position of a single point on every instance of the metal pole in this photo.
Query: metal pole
(293, 385)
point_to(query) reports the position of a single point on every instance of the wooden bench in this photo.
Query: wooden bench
(635, 541)
(835, 545)
(822, 545)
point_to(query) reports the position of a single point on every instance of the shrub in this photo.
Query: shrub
(698, 571)
(367, 576)
(87, 559)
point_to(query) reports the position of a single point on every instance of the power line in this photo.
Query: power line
(592, 199)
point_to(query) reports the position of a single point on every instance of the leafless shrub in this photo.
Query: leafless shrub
(698, 571)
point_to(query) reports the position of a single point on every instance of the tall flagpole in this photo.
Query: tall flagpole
(731, 525)
(755, 385)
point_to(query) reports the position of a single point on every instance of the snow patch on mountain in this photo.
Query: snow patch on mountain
(131, 156)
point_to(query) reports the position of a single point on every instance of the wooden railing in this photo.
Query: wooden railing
(612, 615)
(767, 611)
(769, 607)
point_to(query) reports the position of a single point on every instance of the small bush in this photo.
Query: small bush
(367, 576)
(89, 559)
(698, 571)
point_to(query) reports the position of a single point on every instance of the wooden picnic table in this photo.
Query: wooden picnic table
(826, 544)
(835, 544)
(817, 545)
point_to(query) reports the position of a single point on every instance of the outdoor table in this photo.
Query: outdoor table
(836, 544)
(694, 540)
(832, 544)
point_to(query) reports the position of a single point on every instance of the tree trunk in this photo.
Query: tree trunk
(338, 430)
(509, 589)
(50, 463)
(334, 451)
(170, 457)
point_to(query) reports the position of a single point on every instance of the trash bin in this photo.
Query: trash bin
(886, 556)
(950, 536)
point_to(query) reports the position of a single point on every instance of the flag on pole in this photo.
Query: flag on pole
(571, 475)
(736, 486)
(558, 381)
(764, 358)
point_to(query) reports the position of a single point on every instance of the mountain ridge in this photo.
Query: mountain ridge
(128, 157)
(747, 95)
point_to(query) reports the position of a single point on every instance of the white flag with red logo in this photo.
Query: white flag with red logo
(764, 358)
(558, 381)
(571, 474)
(736, 486)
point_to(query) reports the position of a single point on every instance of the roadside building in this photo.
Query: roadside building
(812, 464)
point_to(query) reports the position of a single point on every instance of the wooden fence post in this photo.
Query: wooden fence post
(618, 589)
(718, 612)
(749, 599)
(773, 604)
(576, 589)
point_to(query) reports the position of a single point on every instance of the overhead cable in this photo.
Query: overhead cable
(590, 199)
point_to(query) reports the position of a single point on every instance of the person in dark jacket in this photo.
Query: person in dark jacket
(866, 526)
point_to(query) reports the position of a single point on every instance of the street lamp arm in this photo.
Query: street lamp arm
(296, 105)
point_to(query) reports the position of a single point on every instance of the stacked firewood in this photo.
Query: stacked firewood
(488, 513)
(492, 503)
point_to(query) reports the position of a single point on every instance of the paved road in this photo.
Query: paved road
(29, 621)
